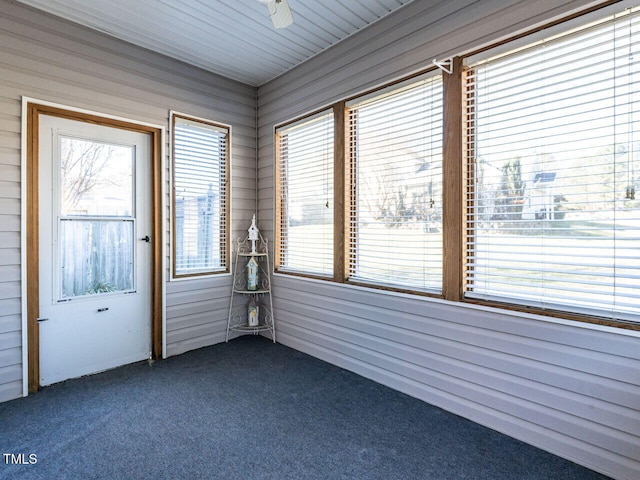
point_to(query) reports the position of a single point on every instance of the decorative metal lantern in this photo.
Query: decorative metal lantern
(253, 311)
(252, 274)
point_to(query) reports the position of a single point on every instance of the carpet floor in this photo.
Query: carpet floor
(251, 409)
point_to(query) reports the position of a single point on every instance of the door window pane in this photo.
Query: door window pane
(96, 256)
(96, 178)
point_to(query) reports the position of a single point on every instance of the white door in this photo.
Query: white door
(94, 249)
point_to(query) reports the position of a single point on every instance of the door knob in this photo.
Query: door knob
(146, 239)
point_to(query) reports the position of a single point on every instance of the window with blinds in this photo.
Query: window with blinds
(553, 141)
(200, 197)
(395, 219)
(305, 188)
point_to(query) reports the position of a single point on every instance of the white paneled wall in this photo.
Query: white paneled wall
(52, 60)
(567, 387)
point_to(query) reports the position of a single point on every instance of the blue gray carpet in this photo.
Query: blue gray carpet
(250, 409)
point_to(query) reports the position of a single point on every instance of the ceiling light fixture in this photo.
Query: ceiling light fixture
(279, 12)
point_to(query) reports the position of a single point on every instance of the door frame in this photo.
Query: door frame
(31, 276)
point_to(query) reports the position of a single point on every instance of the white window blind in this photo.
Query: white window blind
(395, 219)
(554, 173)
(305, 180)
(200, 197)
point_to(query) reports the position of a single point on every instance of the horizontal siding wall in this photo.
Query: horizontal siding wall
(53, 60)
(570, 388)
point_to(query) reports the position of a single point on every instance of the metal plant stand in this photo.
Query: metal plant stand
(241, 295)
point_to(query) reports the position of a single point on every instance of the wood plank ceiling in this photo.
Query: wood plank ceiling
(233, 38)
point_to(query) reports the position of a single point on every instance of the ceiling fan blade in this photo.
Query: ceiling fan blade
(280, 13)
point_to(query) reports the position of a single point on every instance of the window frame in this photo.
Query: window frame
(559, 27)
(225, 214)
(395, 90)
(280, 201)
(457, 177)
(345, 189)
